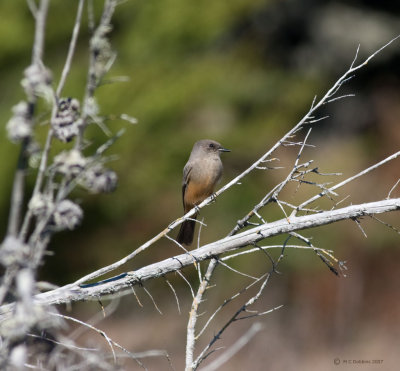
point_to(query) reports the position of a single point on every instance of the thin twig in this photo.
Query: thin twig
(176, 296)
(185, 279)
(110, 342)
(243, 308)
(346, 181)
(237, 271)
(393, 188)
(101, 332)
(71, 50)
(385, 224)
(152, 299)
(226, 302)
(250, 251)
(38, 183)
(235, 348)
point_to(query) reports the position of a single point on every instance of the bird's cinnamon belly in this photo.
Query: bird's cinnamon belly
(197, 192)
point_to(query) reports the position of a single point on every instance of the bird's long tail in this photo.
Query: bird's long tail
(186, 233)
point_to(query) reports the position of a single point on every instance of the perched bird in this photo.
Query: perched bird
(201, 174)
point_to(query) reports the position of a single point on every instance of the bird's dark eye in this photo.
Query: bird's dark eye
(211, 145)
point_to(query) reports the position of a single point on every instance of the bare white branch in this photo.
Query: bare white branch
(73, 292)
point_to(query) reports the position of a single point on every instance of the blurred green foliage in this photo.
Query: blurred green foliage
(196, 70)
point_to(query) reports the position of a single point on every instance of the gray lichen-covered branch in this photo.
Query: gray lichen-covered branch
(73, 292)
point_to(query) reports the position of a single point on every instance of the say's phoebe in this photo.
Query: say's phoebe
(201, 174)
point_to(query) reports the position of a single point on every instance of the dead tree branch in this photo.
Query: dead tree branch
(73, 292)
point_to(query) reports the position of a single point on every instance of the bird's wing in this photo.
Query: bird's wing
(186, 178)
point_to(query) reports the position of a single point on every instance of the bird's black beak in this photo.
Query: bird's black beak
(223, 149)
